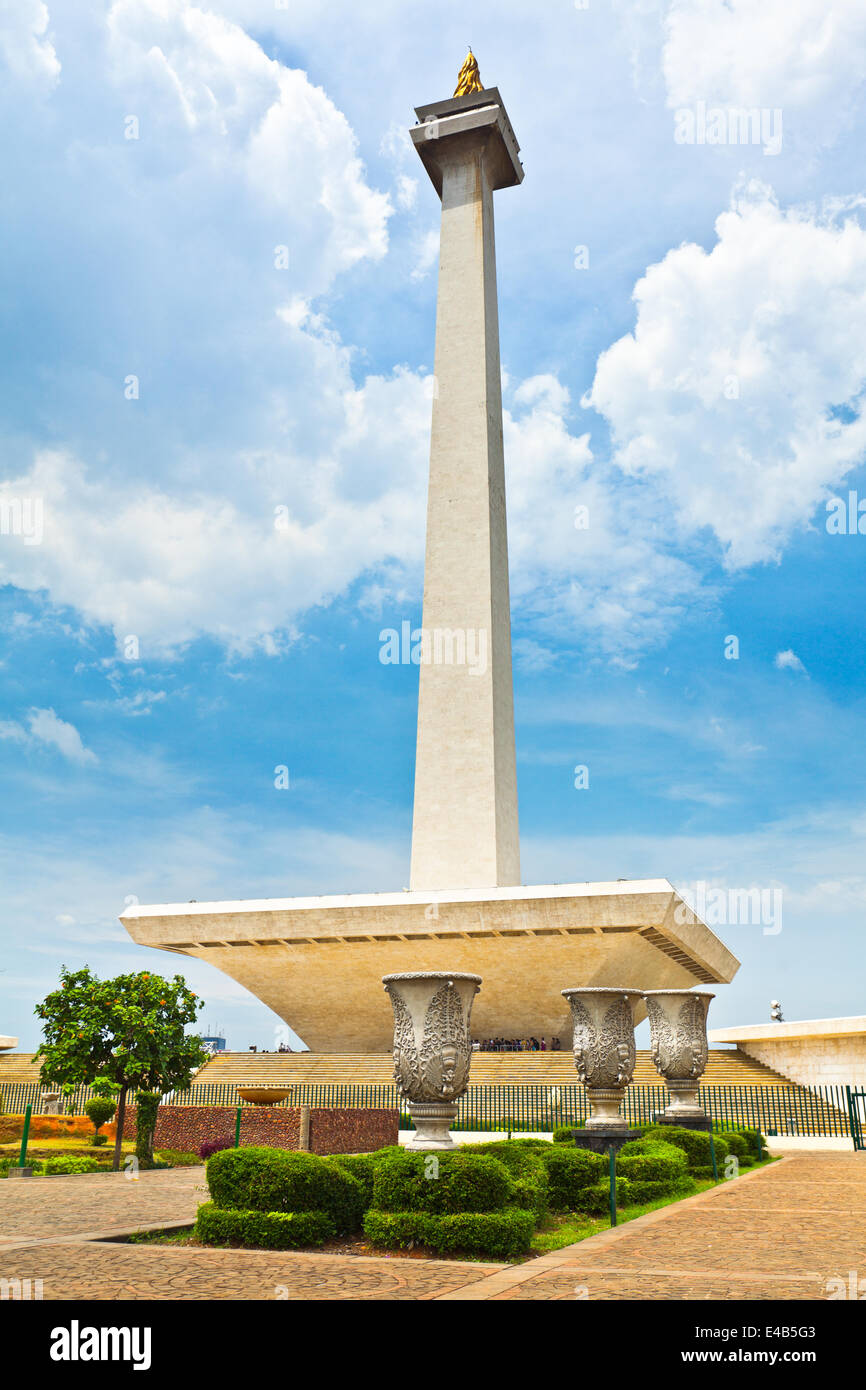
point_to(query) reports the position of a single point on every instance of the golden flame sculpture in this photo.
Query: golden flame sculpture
(470, 78)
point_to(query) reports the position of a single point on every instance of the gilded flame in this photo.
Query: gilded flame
(470, 78)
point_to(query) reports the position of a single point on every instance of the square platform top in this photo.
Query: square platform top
(480, 114)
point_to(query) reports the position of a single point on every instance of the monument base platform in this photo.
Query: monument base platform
(319, 962)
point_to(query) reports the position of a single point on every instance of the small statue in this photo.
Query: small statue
(470, 78)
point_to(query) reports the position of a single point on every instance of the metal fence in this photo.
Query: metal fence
(819, 1111)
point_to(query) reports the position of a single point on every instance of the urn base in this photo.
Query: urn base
(600, 1139)
(684, 1119)
(605, 1104)
(432, 1126)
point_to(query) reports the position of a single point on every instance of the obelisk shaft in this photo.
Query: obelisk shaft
(465, 832)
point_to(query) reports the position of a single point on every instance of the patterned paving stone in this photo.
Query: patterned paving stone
(779, 1233)
(99, 1272)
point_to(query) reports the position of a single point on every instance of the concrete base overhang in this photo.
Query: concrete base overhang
(479, 118)
(318, 962)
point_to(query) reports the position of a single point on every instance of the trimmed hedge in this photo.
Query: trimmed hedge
(264, 1230)
(502, 1234)
(527, 1170)
(564, 1134)
(756, 1142)
(695, 1143)
(595, 1199)
(463, 1181)
(362, 1168)
(641, 1190)
(255, 1178)
(737, 1144)
(654, 1162)
(569, 1173)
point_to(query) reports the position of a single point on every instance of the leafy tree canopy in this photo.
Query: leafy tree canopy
(120, 1033)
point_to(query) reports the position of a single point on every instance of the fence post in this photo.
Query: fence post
(22, 1157)
(238, 1129)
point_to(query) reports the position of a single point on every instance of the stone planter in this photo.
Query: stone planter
(432, 1048)
(264, 1095)
(604, 1050)
(678, 1026)
(51, 1102)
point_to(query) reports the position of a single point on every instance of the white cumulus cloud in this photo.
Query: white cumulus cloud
(739, 390)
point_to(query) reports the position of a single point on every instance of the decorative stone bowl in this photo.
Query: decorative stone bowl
(604, 1050)
(264, 1095)
(432, 1048)
(678, 1029)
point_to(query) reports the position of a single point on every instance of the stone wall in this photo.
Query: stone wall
(332, 1131)
(819, 1061)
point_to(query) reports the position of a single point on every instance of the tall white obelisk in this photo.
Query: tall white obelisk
(464, 832)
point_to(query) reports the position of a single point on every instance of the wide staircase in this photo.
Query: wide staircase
(726, 1067)
(522, 1090)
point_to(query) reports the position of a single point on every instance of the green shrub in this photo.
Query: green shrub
(595, 1199)
(264, 1230)
(695, 1143)
(570, 1172)
(280, 1180)
(659, 1163)
(756, 1143)
(176, 1158)
(502, 1234)
(737, 1143)
(362, 1168)
(564, 1135)
(461, 1181)
(70, 1163)
(99, 1140)
(99, 1111)
(641, 1190)
(527, 1169)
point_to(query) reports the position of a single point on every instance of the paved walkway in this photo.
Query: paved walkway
(779, 1233)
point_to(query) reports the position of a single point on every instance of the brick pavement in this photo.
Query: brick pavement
(779, 1233)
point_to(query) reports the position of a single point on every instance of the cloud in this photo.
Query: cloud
(789, 661)
(739, 392)
(45, 727)
(803, 56)
(26, 50)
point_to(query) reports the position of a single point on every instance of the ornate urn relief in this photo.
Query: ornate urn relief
(604, 1050)
(432, 1048)
(678, 1027)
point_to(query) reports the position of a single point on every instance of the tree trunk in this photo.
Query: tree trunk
(121, 1116)
(146, 1109)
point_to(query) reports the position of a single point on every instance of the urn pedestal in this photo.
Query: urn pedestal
(678, 1029)
(604, 1055)
(432, 1048)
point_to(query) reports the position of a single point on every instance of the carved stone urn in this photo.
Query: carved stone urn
(678, 1028)
(432, 1048)
(604, 1050)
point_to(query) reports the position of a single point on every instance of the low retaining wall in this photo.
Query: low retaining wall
(332, 1131)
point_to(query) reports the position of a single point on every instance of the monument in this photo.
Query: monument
(318, 962)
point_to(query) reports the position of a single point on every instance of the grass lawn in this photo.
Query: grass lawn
(558, 1231)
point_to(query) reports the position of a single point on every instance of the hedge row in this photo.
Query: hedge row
(265, 1230)
(502, 1234)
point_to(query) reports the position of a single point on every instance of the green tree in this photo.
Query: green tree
(120, 1033)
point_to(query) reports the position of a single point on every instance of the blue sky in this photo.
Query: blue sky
(171, 377)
